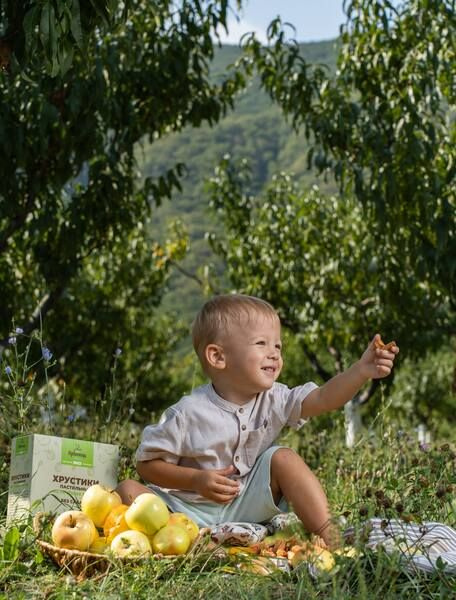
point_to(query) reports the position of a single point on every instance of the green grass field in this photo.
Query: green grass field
(388, 474)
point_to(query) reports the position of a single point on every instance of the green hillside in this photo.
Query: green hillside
(255, 130)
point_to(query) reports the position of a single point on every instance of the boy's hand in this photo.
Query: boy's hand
(214, 484)
(377, 362)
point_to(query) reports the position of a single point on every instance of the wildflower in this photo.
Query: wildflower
(118, 351)
(47, 354)
(71, 418)
(12, 340)
(8, 370)
(424, 446)
(19, 330)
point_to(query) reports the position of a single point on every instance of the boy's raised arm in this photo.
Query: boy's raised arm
(375, 363)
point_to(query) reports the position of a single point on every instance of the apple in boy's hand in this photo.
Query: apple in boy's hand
(171, 539)
(98, 501)
(185, 522)
(74, 530)
(115, 522)
(147, 513)
(131, 544)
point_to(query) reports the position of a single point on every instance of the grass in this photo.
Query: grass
(388, 475)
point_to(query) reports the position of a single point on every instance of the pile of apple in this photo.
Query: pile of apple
(105, 524)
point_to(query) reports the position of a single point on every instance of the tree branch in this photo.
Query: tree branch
(193, 276)
(313, 358)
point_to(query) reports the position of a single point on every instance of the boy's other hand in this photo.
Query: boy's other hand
(215, 485)
(377, 362)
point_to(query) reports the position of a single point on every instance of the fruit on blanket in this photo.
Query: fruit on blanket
(100, 545)
(147, 513)
(185, 522)
(241, 550)
(348, 552)
(98, 501)
(171, 539)
(74, 530)
(131, 544)
(115, 522)
(260, 565)
(319, 557)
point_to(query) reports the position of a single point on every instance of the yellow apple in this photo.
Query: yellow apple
(185, 522)
(147, 513)
(131, 544)
(99, 546)
(74, 530)
(115, 522)
(171, 539)
(98, 501)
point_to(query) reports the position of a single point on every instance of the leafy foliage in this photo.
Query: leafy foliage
(316, 259)
(382, 125)
(74, 237)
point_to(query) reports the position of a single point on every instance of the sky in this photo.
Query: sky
(314, 20)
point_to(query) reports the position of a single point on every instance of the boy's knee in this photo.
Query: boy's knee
(284, 457)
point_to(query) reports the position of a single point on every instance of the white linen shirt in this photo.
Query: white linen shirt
(204, 431)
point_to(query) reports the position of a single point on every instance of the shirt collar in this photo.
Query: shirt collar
(226, 404)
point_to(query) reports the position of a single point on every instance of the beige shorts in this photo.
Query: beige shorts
(255, 503)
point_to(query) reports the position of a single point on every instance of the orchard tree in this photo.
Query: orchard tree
(384, 125)
(315, 258)
(81, 84)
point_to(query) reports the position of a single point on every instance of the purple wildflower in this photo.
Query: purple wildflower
(19, 330)
(118, 351)
(47, 354)
(12, 340)
(424, 446)
(8, 370)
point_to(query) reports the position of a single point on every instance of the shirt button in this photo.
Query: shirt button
(241, 410)
(244, 427)
(236, 458)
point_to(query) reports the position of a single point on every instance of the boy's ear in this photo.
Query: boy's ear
(215, 356)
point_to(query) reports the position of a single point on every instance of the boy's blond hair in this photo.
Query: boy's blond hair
(218, 313)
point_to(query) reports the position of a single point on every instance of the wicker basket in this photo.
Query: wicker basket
(88, 564)
(78, 563)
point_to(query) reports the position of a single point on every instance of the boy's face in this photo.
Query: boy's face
(252, 351)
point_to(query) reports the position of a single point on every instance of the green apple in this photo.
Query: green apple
(98, 501)
(171, 539)
(99, 546)
(74, 530)
(185, 522)
(131, 544)
(147, 513)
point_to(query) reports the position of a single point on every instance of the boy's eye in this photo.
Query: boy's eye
(261, 342)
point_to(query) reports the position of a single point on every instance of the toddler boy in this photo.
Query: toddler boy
(212, 455)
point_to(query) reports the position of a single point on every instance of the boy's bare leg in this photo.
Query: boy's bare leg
(292, 478)
(129, 489)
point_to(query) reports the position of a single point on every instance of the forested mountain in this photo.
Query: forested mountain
(255, 130)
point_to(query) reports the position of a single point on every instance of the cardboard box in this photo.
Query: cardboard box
(50, 473)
